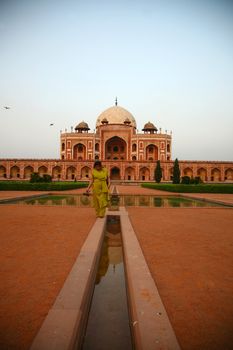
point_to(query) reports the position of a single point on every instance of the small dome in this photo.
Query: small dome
(149, 126)
(127, 121)
(104, 121)
(82, 126)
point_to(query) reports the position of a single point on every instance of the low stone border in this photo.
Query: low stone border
(8, 200)
(217, 201)
(65, 323)
(150, 324)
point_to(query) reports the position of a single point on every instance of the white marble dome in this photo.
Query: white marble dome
(116, 115)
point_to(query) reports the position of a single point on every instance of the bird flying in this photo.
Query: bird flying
(6, 107)
(51, 124)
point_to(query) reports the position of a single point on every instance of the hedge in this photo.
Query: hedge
(200, 188)
(52, 186)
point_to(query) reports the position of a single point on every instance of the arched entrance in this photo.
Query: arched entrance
(2, 172)
(28, 171)
(215, 175)
(152, 152)
(129, 173)
(188, 172)
(144, 174)
(85, 173)
(79, 152)
(115, 173)
(170, 174)
(202, 173)
(14, 172)
(229, 175)
(42, 170)
(56, 173)
(115, 149)
(71, 173)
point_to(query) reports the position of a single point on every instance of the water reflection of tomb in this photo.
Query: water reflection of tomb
(112, 248)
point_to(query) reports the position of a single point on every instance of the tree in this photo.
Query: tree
(176, 172)
(158, 172)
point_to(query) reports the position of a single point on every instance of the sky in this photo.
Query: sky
(168, 62)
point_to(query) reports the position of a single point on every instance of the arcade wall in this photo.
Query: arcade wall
(21, 169)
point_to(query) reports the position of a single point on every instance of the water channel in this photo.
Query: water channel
(115, 200)
(108, 323)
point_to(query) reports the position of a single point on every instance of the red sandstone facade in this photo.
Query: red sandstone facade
(21, 169)
(127, 154)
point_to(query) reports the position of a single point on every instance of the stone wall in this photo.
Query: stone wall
(21, 169)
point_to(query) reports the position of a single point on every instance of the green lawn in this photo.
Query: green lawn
(40, 186)
(200, 188)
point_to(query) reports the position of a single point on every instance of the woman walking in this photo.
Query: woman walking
(100, 185)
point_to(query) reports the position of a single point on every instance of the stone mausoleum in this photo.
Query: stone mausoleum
(129, 155)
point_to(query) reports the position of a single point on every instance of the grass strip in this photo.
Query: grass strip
(40, 186)
(199, 188)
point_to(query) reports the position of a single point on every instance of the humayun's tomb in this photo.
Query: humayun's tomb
(127, 154)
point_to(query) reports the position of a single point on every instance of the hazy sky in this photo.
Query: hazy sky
(169, 62)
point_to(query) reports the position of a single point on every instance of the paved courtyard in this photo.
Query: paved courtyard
(189, 253)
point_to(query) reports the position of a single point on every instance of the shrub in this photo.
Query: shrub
(47, 178)
(197, 180)
(35, 177)
(185, 180)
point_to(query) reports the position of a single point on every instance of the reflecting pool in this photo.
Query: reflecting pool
(115, 201)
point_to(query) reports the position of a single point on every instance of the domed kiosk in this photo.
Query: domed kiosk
(149, 128)
(82, 127)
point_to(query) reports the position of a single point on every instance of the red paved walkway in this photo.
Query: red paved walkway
(190, 255)
(39, 246)
(126, 189)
